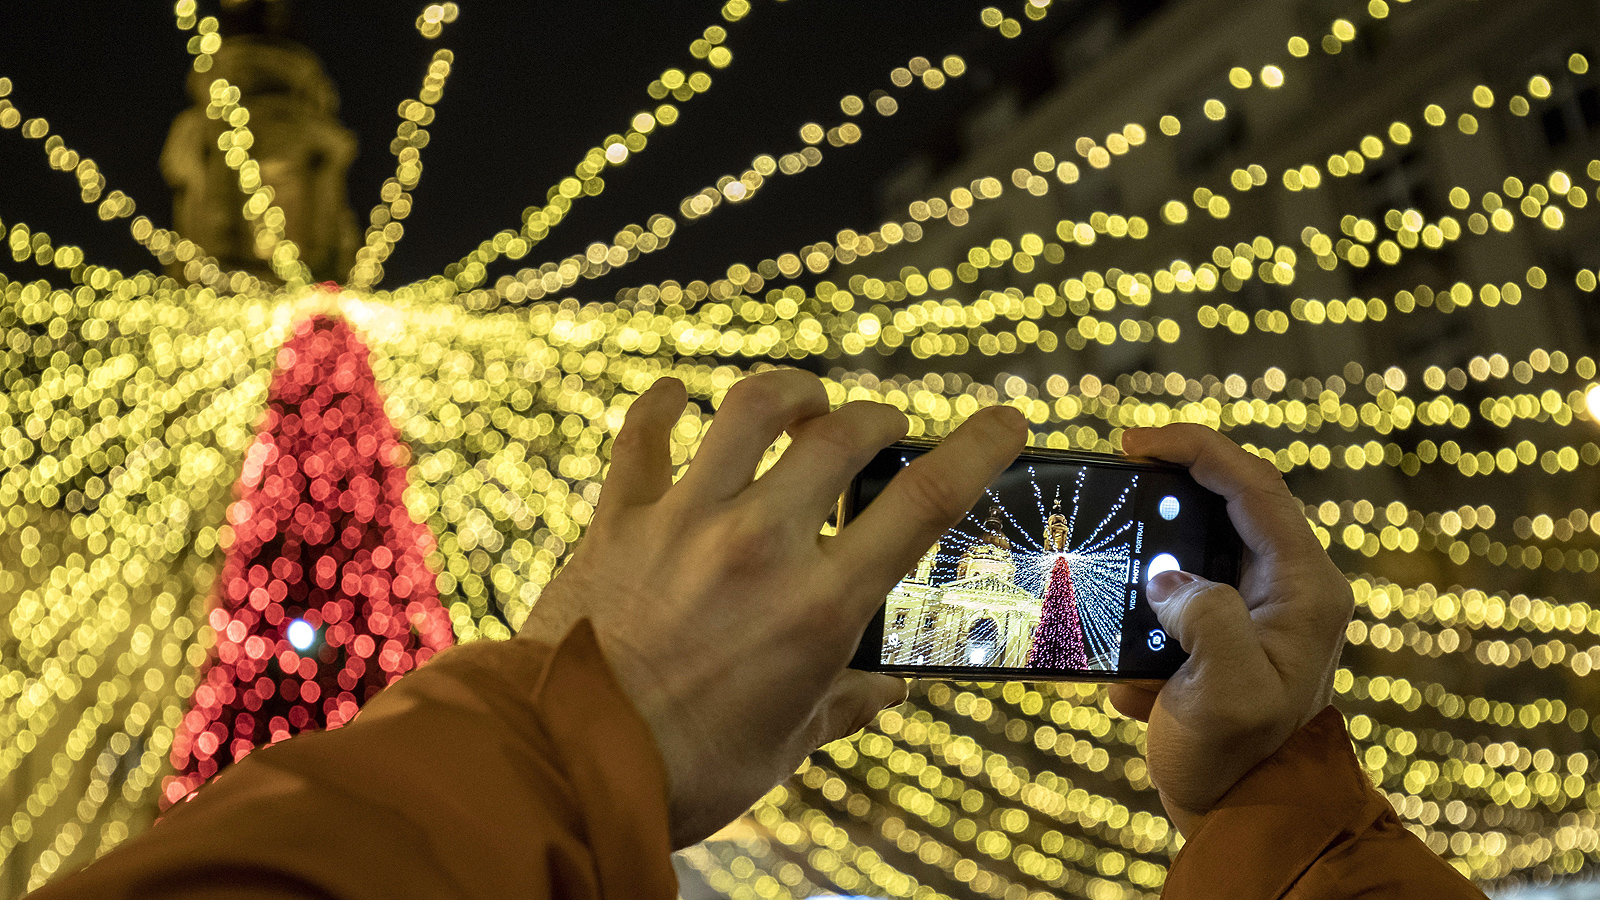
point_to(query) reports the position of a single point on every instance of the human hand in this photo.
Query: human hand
(726, 617)
(1262, 658)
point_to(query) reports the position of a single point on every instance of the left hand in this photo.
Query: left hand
(1261, 658)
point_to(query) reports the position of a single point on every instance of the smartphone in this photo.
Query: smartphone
(1044, 579)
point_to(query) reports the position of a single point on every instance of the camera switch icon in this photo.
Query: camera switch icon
(1157, 640)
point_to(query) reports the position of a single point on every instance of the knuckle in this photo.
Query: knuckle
(1268, 473)
(855, 428)
(929, 498)
(1341, 608)
(756, 392)
(1196, 433)
(836, 434)
(1215, 596)
(780, 393)
(751, 540)
(631, 439)
(881, 415)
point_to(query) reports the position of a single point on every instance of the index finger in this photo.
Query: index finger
(1269, 519)
(925, 499)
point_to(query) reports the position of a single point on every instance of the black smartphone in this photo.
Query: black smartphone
(1044, 580)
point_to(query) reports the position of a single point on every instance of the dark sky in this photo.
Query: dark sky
(533, 87)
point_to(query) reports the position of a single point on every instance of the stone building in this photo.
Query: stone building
(1177, 61)
(979, 616)
(303, 152)
(1516, 132)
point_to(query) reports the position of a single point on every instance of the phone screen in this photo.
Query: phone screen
(1045, 576)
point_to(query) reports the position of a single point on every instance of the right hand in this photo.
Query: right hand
(1262, 658)
(726, 618)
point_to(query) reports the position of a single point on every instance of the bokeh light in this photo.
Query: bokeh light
(319, 537)
(301, 634)
(158, 434)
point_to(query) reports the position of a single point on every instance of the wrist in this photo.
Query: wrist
(1310, 732)
(660, 697)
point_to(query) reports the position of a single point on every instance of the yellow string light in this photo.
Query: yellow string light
(410, 137)
(469, 272)
(167, 246)
(266, 217)
(127, 401)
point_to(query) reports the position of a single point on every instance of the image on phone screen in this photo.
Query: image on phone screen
(1047, 572)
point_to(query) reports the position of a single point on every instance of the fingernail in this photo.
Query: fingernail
(1164, 584)
(1019, 422)
(1137, 433)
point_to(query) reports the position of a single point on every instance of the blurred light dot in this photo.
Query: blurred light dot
(301, 634)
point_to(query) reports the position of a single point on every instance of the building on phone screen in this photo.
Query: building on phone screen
(981, 617)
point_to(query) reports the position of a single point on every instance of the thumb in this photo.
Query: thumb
(851, 703)
(1210, 620)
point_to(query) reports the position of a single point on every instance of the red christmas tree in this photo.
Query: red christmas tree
(325, 597)
(1058, 640)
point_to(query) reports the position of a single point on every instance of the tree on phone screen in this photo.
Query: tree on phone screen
(1058, 639)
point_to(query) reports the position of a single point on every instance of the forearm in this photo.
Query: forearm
(496, 770)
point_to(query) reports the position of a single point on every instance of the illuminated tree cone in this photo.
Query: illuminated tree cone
(1058, 639)
(325, 558)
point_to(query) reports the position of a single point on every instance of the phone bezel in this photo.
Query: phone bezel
(1222, 560)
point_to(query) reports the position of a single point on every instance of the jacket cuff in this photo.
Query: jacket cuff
(1280, 818)
(610, 758)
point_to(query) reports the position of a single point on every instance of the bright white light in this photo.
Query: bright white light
(616, 153)
(1163, 562)
(1169, 507)
(1592, 400)
(735, 190)
(977, 656)
(301, 634)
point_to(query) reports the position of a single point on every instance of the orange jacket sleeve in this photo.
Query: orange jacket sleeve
(503, 769)
(1307, 824)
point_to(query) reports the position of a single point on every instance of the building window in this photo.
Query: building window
(1399, 181)
(1207, 142)
(1571, 112)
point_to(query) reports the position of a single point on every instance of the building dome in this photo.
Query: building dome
(991, 554)
(1055, 529)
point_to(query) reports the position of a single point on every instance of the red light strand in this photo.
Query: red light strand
(323, 538)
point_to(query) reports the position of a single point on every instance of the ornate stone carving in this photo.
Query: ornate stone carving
(303, 150)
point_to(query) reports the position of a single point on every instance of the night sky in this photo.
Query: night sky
(533, 87)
